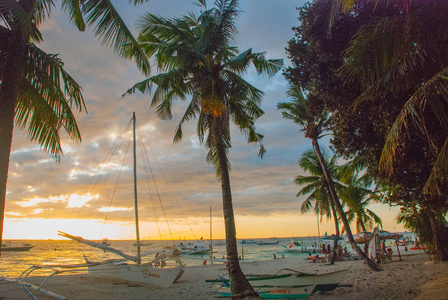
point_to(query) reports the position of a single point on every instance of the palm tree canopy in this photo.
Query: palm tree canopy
(305, 112)
(108, 25)
(315, 185)
(357, 195)
(47, 92)
(195, 58)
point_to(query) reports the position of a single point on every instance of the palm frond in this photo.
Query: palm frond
(266, 66)
(112, 31)
(75, 12)
(12, 10)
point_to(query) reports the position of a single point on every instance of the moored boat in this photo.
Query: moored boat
(324, 282)
(268, 292)
(193, 248)
(17, 248)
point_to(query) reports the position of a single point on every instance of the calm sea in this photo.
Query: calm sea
(12, 264)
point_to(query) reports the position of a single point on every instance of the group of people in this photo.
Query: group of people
(340, 252)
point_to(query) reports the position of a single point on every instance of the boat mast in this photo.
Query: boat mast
(211, 237)
(137, 233)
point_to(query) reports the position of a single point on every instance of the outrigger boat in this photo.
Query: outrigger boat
(17, 248)
(153, 272)
(322, 282)
(267, 292)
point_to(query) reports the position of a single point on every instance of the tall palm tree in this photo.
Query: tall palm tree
(35, 90)
(316, 187)
(195, 56)
(313, 118)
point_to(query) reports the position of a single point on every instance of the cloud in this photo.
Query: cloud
(38, 187)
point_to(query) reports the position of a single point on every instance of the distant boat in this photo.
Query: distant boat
(248, 242)
(272, 241)
(105, 242)
(143, 243)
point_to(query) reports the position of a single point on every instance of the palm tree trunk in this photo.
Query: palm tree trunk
(334, 195)
(13, 74)
(240, 286)
(336, 238)
(441, 250)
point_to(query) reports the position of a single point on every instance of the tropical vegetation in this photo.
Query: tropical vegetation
(380, 68)
(198, 63)
(36, 93)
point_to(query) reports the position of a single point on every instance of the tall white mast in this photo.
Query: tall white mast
(137, 233)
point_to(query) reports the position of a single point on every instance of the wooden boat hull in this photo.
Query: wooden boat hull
(324, 282)
(139, 274)
(22, 248)
(300, 292)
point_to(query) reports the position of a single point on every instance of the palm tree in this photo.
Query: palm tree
(35, 91)
(356, 194)
(313, 118)
(316, 187)
(195, 57)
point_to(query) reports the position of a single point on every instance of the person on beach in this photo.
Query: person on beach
(275, 256)
(324, 250)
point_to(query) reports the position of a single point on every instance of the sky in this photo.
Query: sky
(44, 196)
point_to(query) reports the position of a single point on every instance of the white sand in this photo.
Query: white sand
(413, 278)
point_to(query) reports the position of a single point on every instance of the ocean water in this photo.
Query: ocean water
(57, 252)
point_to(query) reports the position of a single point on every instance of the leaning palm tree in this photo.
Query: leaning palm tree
(310, 115)
(316, 187)
(196, 58)
(35, 91)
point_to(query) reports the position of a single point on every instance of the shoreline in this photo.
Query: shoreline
(415, 277)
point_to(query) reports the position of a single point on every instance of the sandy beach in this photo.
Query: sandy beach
(415, 277)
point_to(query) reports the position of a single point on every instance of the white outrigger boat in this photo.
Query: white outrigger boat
(154, 272)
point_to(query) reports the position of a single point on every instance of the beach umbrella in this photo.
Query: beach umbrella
(361, 237)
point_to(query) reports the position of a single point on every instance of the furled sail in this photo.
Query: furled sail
(97, 245)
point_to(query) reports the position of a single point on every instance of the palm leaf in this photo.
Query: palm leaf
(12, 14)
(114, 32)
